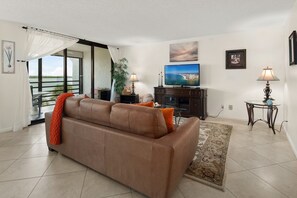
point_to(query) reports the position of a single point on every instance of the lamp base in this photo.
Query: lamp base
(267, 92)
(133, 87)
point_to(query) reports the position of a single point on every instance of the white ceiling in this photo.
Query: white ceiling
(132, 22)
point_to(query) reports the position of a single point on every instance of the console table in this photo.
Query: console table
(272, 112)
(193, 100)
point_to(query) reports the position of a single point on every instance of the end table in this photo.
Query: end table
(130, 99)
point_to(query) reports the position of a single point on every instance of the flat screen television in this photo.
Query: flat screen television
(184, 74)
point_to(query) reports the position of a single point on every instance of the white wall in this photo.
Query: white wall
(264, 47)
(290, 85)
(102, 68)
(10, 92)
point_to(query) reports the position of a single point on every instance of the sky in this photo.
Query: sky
(51, 66)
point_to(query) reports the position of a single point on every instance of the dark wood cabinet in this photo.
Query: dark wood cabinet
(104, 94)
(130, 99)
(194, 100)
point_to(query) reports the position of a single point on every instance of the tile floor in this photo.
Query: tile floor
(259, 165)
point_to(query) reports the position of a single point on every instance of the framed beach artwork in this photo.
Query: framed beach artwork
(8, 57)
(236, 59)
(181, 52)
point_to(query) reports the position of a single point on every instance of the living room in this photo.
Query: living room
(265, 38)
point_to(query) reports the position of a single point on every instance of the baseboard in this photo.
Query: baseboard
(291, 142)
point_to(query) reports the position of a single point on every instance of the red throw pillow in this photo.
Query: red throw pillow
(146, 104)
(168, 116)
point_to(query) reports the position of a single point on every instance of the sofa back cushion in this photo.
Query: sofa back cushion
(96, 111)
(140, 120)
(90, 110)
(71, 107)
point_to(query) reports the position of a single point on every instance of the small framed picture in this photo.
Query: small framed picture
(236, 59)
(293, 48)
(8, 57)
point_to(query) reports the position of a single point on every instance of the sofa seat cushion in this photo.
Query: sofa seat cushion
(140, 120)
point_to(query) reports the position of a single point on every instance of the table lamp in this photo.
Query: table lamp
(267, 75)
(133, 78)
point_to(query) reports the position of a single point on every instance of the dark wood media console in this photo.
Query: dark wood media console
(194, 100)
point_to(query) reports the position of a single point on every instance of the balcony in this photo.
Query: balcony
(50, 90)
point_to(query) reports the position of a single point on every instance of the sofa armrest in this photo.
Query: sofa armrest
(183, 142)
(48, 118)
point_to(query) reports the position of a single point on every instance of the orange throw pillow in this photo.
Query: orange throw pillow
(168, 116)
(146, 104)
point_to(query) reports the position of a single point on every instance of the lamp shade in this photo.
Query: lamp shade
(267, 75)
(133, 78)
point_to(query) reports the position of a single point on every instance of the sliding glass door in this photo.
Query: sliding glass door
(84, 68)
(47, 81)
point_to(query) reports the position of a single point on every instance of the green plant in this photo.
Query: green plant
(120, 75)
(58, 90)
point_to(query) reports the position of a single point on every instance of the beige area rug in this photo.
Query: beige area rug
(208, 165)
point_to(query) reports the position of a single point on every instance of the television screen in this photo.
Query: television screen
(185, 75)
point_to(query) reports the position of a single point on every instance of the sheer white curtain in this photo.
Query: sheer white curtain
(43, 43)
(38, 44)
(24, 99)
(116, 55)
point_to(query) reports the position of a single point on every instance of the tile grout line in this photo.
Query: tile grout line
(286, 167)
(14, 160)
(118, 194)
(254, 167)
(268, 184)
(230, 191)
(11, 180)
(181, 192)
(247, 169)
(41, 177)
(81, 191)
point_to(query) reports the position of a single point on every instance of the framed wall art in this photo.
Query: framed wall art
(181, 52)
(236, 59)
(8, 57)
(293, 49)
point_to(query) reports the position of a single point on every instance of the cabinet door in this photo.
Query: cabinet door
(159, 98)
(170, 100)
(196, 106)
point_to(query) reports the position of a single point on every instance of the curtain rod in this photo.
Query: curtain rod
(49, 32)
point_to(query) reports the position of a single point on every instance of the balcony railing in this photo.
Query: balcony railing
(55, 88)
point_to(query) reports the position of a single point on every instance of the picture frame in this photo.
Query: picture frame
(182, 52)
(293, 48)
(236, 59)
(8, 57)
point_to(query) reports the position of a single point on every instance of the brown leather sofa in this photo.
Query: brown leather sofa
(127, 143)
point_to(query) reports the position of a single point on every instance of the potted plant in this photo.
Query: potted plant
(120, 75)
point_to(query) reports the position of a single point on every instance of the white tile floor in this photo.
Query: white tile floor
(259, 164)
